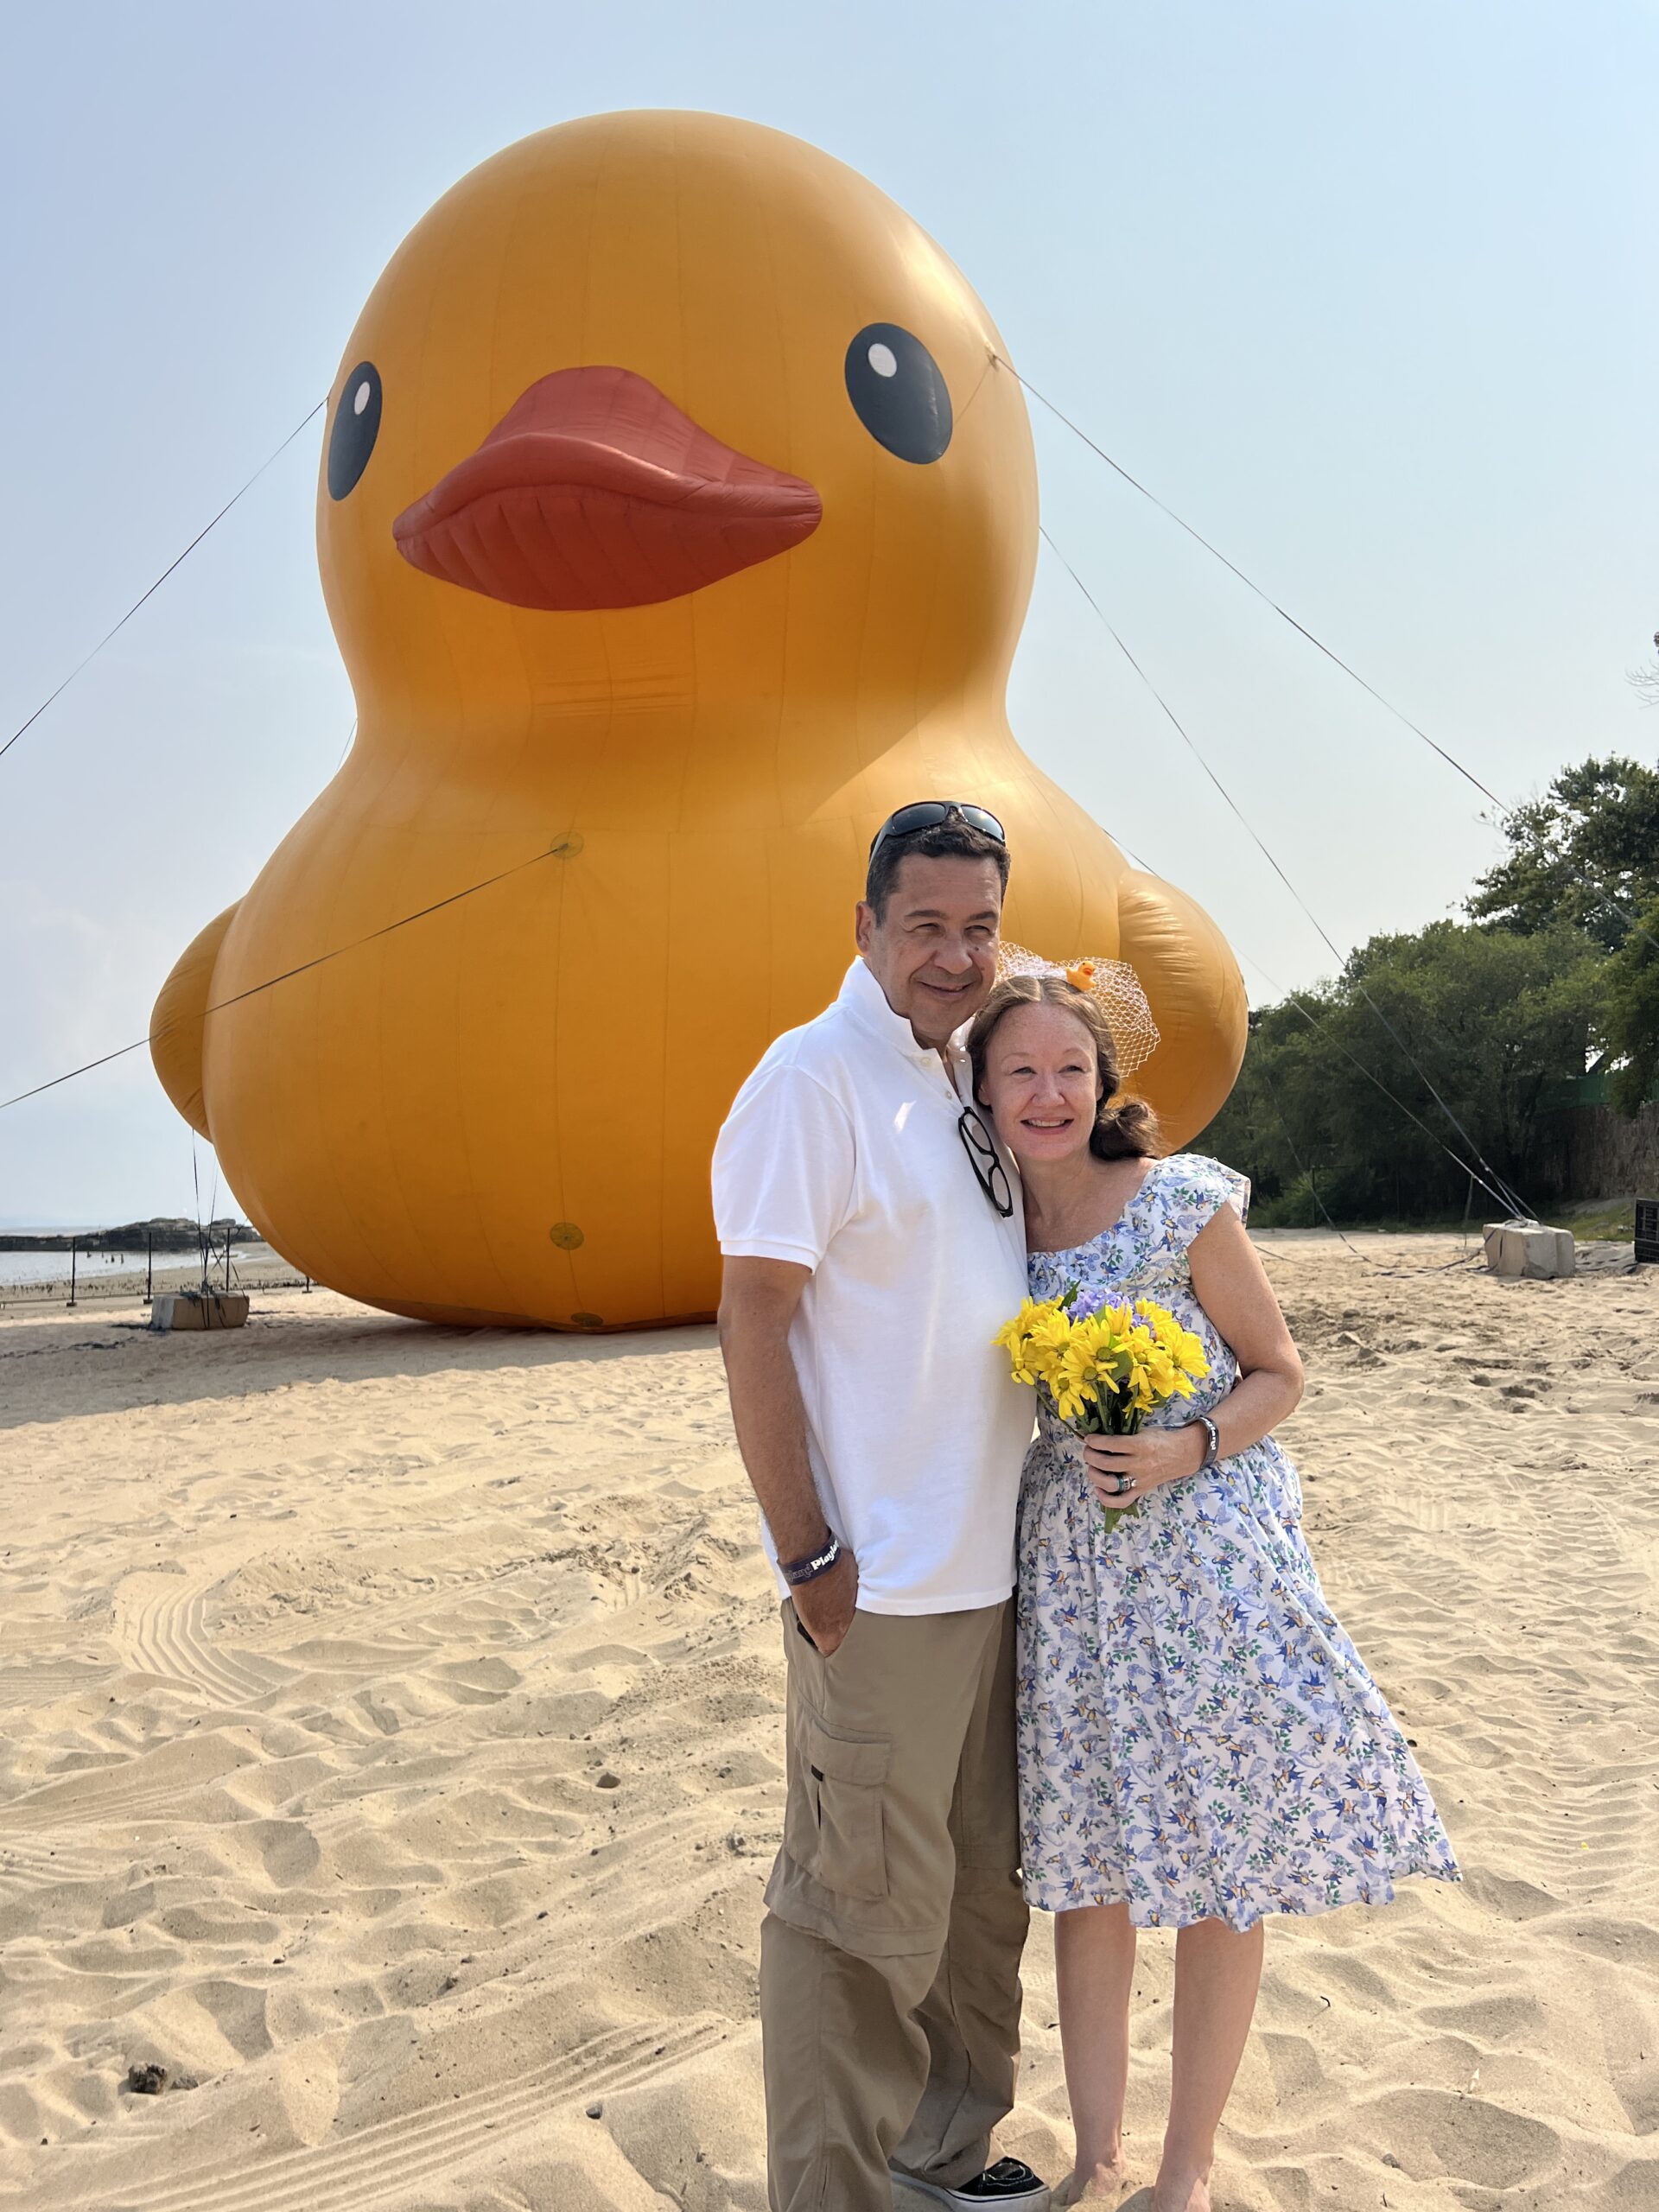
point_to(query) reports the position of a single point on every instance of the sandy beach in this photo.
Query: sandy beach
(389, 1747)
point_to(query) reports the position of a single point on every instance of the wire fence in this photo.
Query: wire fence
(93, 1274)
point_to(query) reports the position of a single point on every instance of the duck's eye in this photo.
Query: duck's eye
(900, 396)
(357, 424)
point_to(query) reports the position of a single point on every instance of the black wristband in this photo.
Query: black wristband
(795, 1572)
(1211, 1441)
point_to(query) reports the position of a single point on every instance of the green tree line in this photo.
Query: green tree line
(1555, 973)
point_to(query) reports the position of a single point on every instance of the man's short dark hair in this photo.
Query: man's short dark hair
(944, 841)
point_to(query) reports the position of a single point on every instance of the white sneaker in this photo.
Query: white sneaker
(1010, 2184)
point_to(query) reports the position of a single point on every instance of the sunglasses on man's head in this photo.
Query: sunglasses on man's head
(929, 813)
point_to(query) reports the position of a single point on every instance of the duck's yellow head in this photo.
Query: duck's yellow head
(666, 408)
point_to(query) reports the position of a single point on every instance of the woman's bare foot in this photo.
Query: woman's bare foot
(1181, 2194)
(1104, 2183)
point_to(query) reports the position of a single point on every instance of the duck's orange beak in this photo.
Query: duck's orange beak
(594, 490)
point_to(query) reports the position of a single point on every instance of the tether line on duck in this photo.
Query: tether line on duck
(1293, 999)
(1497, 1186)
(160, 579)
(550, 852)
(1302, 1169)
(1267, 597)
(1284, 614)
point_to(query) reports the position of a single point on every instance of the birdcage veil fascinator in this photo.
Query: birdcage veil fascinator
(1115, 989)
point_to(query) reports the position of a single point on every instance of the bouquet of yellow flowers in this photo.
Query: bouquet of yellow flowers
(1102, 1371)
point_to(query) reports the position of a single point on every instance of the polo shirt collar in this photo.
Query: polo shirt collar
(866, 1000)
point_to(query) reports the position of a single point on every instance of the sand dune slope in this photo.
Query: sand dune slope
(389, 1746)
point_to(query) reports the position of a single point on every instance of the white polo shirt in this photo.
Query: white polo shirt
(841, 1153)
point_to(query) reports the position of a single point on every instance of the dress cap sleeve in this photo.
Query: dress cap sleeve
(1193, 1189)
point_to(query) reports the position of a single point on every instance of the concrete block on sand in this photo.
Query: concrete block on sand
(1526, 1248)
(200, 1309)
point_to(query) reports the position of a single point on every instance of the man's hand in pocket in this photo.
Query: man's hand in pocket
(825, 1607)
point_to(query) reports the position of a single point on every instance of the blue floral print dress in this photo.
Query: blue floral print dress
(1197, 1737)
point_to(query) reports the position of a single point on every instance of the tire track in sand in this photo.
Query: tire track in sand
(373, 2164)
(161, 1629)
(24, 1867)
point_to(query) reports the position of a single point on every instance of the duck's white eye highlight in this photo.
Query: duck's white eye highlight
(360, 396)
(883, 361)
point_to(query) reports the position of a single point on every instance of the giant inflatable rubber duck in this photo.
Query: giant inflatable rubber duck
(676, 521)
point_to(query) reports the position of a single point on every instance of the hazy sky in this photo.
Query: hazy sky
(1367, 293)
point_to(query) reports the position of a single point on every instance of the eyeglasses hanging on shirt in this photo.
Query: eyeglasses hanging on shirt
(988, 1171)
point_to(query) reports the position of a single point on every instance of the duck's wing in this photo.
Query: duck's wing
(1197, 995)
(176, 1021)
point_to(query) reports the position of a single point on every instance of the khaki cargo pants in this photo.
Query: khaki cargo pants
(890, 1955)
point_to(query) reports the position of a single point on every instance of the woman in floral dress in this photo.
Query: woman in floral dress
(1200, 1744)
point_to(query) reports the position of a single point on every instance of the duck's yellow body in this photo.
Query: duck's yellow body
(676, 522)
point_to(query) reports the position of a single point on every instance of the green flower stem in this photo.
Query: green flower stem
(1114, 1418)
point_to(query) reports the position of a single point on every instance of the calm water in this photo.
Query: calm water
(96, 1270)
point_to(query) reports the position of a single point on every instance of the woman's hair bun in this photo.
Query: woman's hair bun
(1125, 1128)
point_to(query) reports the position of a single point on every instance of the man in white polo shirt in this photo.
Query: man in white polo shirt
(872, 1247)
